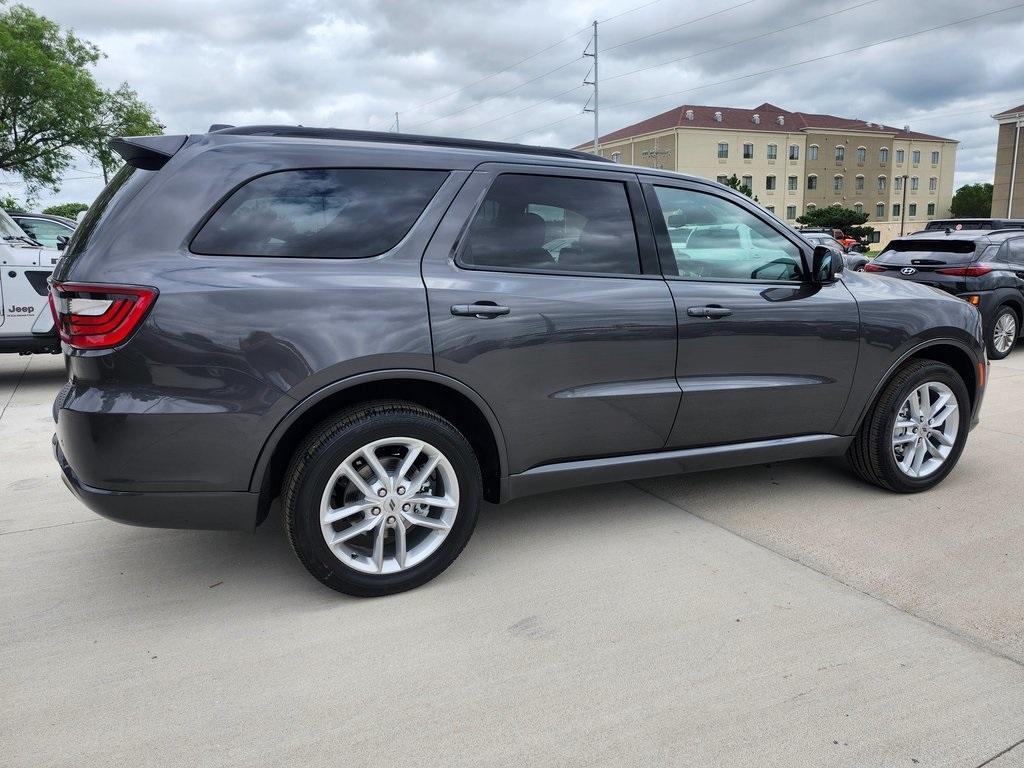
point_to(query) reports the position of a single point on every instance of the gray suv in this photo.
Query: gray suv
(385, 330)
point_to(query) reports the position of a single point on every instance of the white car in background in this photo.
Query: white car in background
(26, 323)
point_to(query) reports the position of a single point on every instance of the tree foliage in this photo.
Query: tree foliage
(67, 210)
(838, 217)
(10, 203)
(972, 201)
(50, 103)
(734, 182)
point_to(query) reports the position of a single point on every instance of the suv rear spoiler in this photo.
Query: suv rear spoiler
(148, 153)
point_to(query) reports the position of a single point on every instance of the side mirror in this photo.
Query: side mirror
(62, 242)
(826, 264)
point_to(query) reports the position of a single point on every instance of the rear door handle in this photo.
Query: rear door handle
(710, 311)
(482, 309)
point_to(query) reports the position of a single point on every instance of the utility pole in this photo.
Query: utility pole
(903, 206)
(593, 96)
(396, 127)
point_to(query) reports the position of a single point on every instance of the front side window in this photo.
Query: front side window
(337, 213)
(45, 232)
(773, 151)
(748, 151)
(812, 152)
(725, 241)
(553, 224)
(723, 150)
(794, 151)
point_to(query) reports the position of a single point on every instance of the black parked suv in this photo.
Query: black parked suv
(384, 330)
(982, 267)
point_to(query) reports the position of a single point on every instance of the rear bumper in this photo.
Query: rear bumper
(230, 510)
(30, 343)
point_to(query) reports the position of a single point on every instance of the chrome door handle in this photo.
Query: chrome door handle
(481, 309)
(709, 312)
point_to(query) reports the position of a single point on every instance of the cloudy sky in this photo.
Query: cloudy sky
(494, 69)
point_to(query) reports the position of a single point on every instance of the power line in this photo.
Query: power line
(740, 42)
(677, 26)
(524, 109)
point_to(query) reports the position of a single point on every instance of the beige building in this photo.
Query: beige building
(1008, 184)
(797, 161)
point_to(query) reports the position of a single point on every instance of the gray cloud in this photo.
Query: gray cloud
(353, 64)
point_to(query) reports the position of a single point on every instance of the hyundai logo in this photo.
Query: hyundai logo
(907, 271)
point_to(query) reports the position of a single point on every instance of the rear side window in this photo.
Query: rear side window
(555, 224)
(323, 213)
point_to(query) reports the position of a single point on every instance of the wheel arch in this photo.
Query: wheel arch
(448, 397)
(949, 351)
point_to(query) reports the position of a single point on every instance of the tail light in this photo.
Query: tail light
(976, 271)
(869, 267)
(98, 316)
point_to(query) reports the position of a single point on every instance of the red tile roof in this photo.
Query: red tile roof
(734, 119)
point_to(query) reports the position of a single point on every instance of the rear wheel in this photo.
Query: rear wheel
(381, 498)
(1003, 333)
(915, 432)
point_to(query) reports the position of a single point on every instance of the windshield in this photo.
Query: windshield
(8, 228)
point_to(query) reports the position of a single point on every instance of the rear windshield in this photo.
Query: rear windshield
(319, 213)
(125, 184)
(928, 252)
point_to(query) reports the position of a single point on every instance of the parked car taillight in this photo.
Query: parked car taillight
(976, 271)
(869, 267)
(98, 316)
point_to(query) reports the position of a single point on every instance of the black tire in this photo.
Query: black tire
(323, 451)
(871, 453)
(993, 353)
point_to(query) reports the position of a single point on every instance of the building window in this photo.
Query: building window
(931, 209)
(812, 152)
(915, 156)
(897, 183)
(883, 155)
(794, 152)
(769, 183)
(858, 207)
(840, 153)
(900, 154)
(876, 236)
(933, 184)
(790, 212)
(837, 183)
(895, 210)
(773, 151)
(723, 150)
(859, 183)
(748, 182)
(880, 211)
(881, 183)
(791, 183)
(912, 209)
(616, 157)
(914, 183)
(722, 179)
(862, 154)
(811, 207)
(770, 208)
(812, 182)
(748, 151)
(935, 157)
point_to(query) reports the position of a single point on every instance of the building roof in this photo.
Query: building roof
(1010, 112)
(769, 115)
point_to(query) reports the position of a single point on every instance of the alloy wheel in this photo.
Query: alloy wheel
(926, 427)
(389, 505)
(1004, 332)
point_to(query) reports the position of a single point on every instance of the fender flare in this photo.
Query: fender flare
(414, 374)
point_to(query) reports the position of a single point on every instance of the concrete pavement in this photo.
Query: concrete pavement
(782, 615)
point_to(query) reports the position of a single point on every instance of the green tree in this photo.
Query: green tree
(67, 210)
(838, 217)
(48, 96)
(10, 203)
(122, 113)
(734, 182)
(972, 201)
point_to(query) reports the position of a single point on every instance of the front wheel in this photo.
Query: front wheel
(382, 498)
(1003, 333)
(915, 432)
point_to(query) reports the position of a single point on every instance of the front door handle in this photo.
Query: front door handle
(709, 311)
(482, 309)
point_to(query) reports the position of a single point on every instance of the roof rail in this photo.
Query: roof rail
(343, 134)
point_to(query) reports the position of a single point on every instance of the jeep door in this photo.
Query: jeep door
(763, 352)
(546, 298)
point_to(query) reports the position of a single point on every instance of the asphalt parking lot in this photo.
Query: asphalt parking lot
(777, 615)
